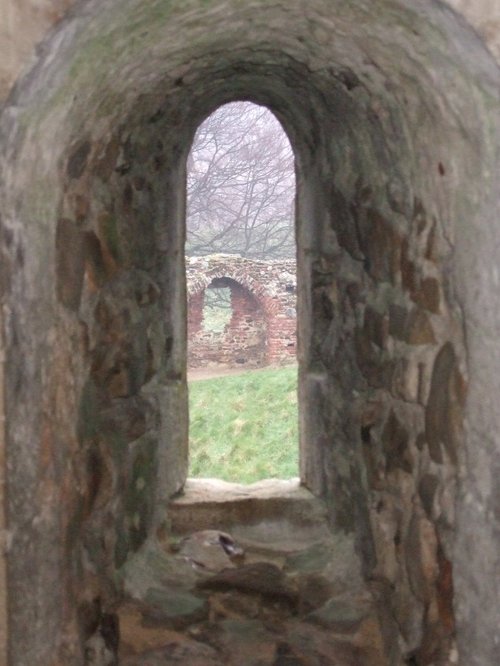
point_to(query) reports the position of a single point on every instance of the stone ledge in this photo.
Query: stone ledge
(272, 506)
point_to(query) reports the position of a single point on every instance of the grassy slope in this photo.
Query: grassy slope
(244, 427)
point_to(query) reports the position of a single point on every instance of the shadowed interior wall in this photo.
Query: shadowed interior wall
(388, 108)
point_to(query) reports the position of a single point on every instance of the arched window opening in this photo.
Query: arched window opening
(241, 280)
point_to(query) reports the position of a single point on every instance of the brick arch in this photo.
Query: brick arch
(270, 284)
(232, 267)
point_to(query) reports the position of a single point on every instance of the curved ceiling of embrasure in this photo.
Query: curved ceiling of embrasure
(395, 67)
(387, 108)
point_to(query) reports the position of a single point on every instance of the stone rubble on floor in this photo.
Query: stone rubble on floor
(191, 602)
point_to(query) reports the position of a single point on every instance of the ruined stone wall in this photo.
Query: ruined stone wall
(242, 343)
(262, 329)
(392, 109)
(405, 376)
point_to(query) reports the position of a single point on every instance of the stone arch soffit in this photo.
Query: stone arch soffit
(142, 41)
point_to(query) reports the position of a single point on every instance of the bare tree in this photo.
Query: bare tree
(241, 185)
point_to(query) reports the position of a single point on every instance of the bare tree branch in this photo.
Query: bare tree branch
(241, 185)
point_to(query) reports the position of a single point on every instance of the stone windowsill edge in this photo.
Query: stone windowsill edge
(197, 490)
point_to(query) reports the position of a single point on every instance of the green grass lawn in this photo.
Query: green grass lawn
(245, 427)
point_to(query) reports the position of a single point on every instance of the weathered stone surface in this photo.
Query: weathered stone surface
(246, 642)
(314, 590)
(165, 586)
(409, 270)
(376, 327)
(70, 263)
(407, 382)
(311, 644)
(128, 417)
(421, 557)
(409, 616)
(138, 635)
(427, 490)
(427, 294)
(25, 24)
(97, 653)
(376, 366)
(395, 438)
(412, 327)
(397, 321)
(385, 521)
(355, 97)
(445, 595)
(253, 620)
(339, 615)
(210, 550)
(381, 246)
(278, 507)
(233, 605)
(261, 578)
(418, 329)
(184, 653)
(344, 223)
(332, 560)
(77, 160)
(443, 416)
(176, 608)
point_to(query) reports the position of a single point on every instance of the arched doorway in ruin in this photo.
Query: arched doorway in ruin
(256, 325)
(238, 339)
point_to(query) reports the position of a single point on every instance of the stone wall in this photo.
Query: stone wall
(392, 110)
(263, 321)
(23, 24)
(3, 517)
(483, 16)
